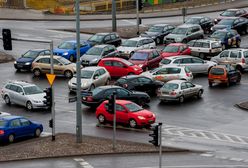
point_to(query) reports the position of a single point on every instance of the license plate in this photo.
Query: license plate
(20, 66)
(217, 81)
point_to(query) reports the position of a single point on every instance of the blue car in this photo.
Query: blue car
(68, 49)
(228, 38)
(26, 60)
(14, 127)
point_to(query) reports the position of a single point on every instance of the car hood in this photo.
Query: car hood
(90, 57)
(211, 63)
(216, 39)
(92, 43)
(167, 54)
(58, 50)
(38, 97)
(22, 59)
(144, 113)
(123, 49)
(149, 34)
(220, 27)
(137, 62)
(174, 36)
(74, 80)
(147, 74)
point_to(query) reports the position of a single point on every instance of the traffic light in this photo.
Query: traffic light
(51, 123)
(7, 42)
(154, 135)
(110, 104)
(48, 97)
(141, 5)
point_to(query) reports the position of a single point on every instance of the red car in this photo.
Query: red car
(127, 113)
(146, 59)
(118, 67)
(175, 49)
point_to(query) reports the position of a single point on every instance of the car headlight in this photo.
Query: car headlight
(136, 69)
(94, 60)
(27, 63)
(15, 62)
(211, 28)
(141, 65)
(36, 101)
(66, 53)
(216, 20)
(141, 118)
(153, 37)
(84, 84)
(178, 39)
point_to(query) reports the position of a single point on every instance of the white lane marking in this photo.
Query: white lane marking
(207, 155)
(201, 166)
(45, 134)
(133, 23)
(83, 163)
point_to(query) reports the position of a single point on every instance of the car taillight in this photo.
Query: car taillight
(173, 93)
(243, 61)
(89, 98)
(1, 132)
(125, 85)
(188, 74)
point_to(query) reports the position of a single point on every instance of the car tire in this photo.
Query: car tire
(107, 82)
(158, 41)
(132, 123)
(199, 94)
(181, 99)
(37, 132)
(29, 106)
(202, 56)
(71, 58)
(11, 138)
(101, 119)
(238, 43)
(210, 84)
(92, 87)
(37, 72)
(130, 55)
(68, 74)
(7, 100)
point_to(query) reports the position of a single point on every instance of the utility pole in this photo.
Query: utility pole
(53, 103)
(114, 16)
(78, 106)
(137, 16)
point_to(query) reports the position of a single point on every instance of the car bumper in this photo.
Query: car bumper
(147, 121)
(22, 66)
(74, 88)
(168, 98)
(91, 104)
(218, 80)
(39, 105)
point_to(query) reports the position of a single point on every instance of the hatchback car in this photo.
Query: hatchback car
(24, 94)
(26, 60)
(118, 67)
(96, 53)
(205, 22)
(179, 90)
(146, 59)
(169, 72)
(68, 49)
(14, 127)
(184, 33)
(231, 13)
(238, 57)
(175, 49)
(127, 113)
(205, 48)
(227, 37)
(158, 31)
(91, 77)
(139, 83)
(194, 64)
(105, 38)
(225, 74)
(61, 66)
(101, 93)
(129, 46)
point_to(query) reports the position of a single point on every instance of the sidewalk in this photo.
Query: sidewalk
(33, 15)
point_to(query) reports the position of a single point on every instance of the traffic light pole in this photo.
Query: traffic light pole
(160, 144)
(113, 16)
(137, 15)
(114, 121)
(53, 103)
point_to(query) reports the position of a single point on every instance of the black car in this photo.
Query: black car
(139, 83)
(205, 22)
(231, 13)
(237, 23)
(105, 38)
(158, 31)
(99, 94)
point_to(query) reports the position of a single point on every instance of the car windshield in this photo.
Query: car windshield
(217, 71)
(64, 61)
(227, 22)
(193, 21)
(218, 34)
(66, 45)
(2, 123)
(155, 29)
(171, 49)
(166, 61)
(179, 30)
(96, 91)
(129, 43)
(86, 74)
(96, 38)
(170, 86)
(133, 107)
(31, 54)
(94, 51)
(228, 13)
(139, 56)
(32, 90)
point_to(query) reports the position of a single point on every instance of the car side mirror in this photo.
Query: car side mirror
(60, 64)
(22, 93)
(96, 77)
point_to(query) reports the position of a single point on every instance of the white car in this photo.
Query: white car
(4, 114)
(129, 46)
(169, 72)
(195, 65)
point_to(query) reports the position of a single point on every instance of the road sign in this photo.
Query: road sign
(72, 99)
(50, 78)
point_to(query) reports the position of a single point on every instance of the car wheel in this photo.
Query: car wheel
(92, 87)
(130, 55)
(210, 84)
(132, 123)
(11, 138)
(101, 119)
(7, 100)
(29, 106)
(68, 74)
(71, 58)
(107, 82)
(199, 94)
(238, 44)
(202, 56)
(37, 72)
(157, 40)
(181, 99)
(37, 132)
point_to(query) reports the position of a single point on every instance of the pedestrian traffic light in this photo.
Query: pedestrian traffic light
(140, 5)
(154, 135)
(51, 123)
(48, 97)
(7, 41)
(110, 104)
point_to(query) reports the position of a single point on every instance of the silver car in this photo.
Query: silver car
(91, 77)
(195, 65)
(179, 90)
(24, 94)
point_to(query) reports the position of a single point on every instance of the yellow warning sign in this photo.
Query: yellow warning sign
(50, 78)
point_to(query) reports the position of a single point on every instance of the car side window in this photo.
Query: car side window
(113, 37)
(196, 60)
(19, 89)
(42, 53)
(186, 61)
(102, 71)
(183, 86)
(140, 43)
(236, 21)
(111, 49)
(178, 61)
(47, 52)
(161, 72)
(56, 62)
(135, 81)
(122, 93)
(97, 73)
(245, 54)
(174, 70)
(189, 85)
(155, 54)
(24, 122)
(107, 38)
(143, 80)
(198, 44)
(7, 86)
(108, 92)
(44, 60)
(118, 64)
(191, 43)
(234, 54)
(107, 63)
(120, 108)
(166, 29)
(224, 54)
(13, 88)
(15, 123)
(205, 45)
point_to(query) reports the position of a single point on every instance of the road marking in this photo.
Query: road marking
(199, 166)
(83, 163)
(45, 134)
(133, 23)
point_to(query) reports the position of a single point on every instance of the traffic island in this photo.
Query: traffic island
(243, 105)
(65, 145)
(5, 57)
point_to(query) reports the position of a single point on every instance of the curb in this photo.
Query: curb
(241, 106)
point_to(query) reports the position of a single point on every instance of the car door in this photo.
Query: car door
(124, 94)
(119, 69)
(26, 127)
(44, 64)
(97, 78)
(58, 67)
(107, 40)
(156, 59)
(140, 45)
(20, 97)
(114, 40)
(234, 57)
(16, 128)
(223, 56)
(190, 89)
(83, 48)
(121, 114)
(146, 84)
(187, 62)
(161, 75)
(198, 66)
(13, 93)
(103, 76)
(108, 65)
(185, 90)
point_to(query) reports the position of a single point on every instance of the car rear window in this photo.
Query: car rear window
(2, 123)
(166, 61)
(96, 91)
(217, 71)
(216, 45)
(170, 86)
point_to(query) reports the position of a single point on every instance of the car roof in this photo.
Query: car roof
(230, 18)
(113, 59)
(131, 77)
(145, 50)
(48, 56)
(92, 68)
(161, 25)
(105, 33)
(172, 66)
(177, 81)
(220, 66)
(102, 45)
(198, 17)
(176, 44)
(205, 40)
(237, 49)
(21, 83)
(108, 87)
(74, 41)
(181, 56)
(138, 38)
(233, 9)
(10, 117)
(39, 50)
(188, 25)
(121, 101)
